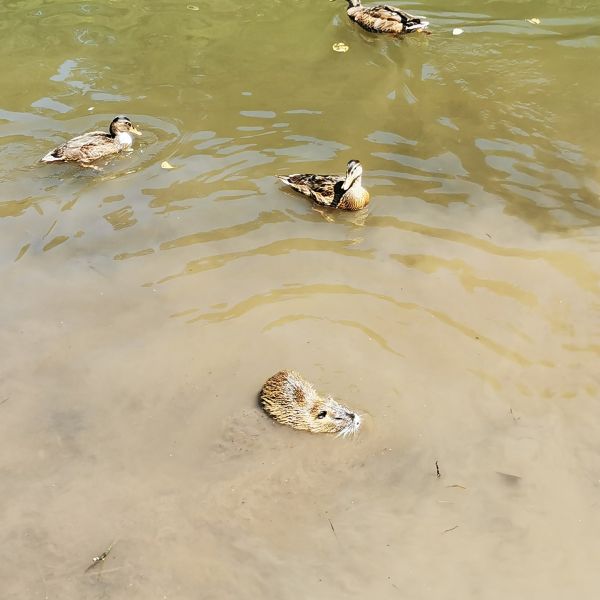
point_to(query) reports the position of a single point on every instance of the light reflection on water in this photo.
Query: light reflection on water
(144, 307)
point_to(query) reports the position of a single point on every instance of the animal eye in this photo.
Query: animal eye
(322, 414)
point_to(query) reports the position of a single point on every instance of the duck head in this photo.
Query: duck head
(122, 124)
(353, 173)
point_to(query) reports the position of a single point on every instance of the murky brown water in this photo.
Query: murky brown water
(143, 308)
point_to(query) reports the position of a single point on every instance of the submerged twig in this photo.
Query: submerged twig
(437, 470)
(451, 529)
(101, 557)
(332, 527)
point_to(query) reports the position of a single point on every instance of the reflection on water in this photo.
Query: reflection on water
(144, 307)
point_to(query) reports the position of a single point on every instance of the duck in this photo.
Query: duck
(85, 149)
(336, 191)
(384, 18)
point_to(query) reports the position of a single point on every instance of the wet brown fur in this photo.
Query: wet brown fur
(293, 401)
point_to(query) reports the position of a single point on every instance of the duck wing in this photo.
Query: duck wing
(83, 148)
(323, 189)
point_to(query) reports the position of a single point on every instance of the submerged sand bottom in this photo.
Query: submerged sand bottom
(123, 424)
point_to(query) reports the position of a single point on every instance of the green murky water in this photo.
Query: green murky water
(143, 308)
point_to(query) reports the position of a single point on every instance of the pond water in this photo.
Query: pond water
(143, 308)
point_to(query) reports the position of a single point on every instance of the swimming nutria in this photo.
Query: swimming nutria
(293, 401)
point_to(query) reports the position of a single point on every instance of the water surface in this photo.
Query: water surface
(143, 308)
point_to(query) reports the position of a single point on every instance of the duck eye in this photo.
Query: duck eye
(322, 414)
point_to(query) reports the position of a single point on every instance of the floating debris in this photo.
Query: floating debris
(340, 47)
(457, 31)
(192, 7)
(91, 108)
(437, 470)
(509, 478)
(166, 165)
(534, 21)
(332, 527)
(101, 557)
(451, 529)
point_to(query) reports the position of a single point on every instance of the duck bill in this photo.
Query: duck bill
(136, 131)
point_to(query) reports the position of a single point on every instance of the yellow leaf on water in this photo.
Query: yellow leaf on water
(166, 165)
(534, 21)
(340, 47)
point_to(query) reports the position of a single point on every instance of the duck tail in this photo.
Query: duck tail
(51, 157)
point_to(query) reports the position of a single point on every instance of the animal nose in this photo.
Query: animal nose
(352, 416)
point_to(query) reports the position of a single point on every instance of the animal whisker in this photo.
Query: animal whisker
(351, 429)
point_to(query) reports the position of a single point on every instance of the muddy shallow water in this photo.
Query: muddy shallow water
(143, 308)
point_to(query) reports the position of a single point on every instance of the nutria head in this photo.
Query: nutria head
(293, 401)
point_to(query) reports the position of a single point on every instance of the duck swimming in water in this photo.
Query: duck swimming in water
(91, 146)
(337, 191)
(384, 18)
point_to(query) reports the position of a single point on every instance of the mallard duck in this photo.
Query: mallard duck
(91, 146)
(384, 18)
(337, 191)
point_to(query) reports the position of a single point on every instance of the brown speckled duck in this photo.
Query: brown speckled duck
(384, 18)
(85, 149)
(336, 191)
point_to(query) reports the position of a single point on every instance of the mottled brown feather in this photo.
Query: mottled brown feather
(386, 19)
(323, 189)
(87, 147)
(326, 190)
